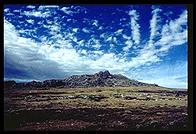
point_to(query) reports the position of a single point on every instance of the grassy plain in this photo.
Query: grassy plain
(159, 105)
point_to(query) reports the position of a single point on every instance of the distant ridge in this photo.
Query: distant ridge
(100, 79)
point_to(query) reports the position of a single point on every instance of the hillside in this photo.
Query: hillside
(100, 79)
(101, 101)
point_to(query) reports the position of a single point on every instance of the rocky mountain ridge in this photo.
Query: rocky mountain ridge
(100, 79)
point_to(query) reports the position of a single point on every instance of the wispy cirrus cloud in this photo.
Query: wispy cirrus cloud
(135, 27)
(31, 7)
(6, 10)
(95, 23)
(67, 10)
(70, 10)
(174, 33)
(129, 44)
(85, 30)
(30, 21)
(37, 14)
(119, 31)
(135, 31)
(47, 7)
(78, 47)
(169, 37)
(154, 25)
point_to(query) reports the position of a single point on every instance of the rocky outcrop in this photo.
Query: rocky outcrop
(100, 79)
(9, 84)
(33, 84)
(52, 83)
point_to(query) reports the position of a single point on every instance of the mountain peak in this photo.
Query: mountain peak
(100, 79)
(103, 74)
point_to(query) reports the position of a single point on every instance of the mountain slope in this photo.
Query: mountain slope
(100, 79)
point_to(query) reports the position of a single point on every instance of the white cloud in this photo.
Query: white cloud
(126, 37)
(154, 27)
(68, 20)
(112, 46)
(123, 19)
(119, 31)
(64, 56)
(67, 10)
(31, 7)
(143, 58)
(101, 28)
(167, 14)
(129, 44)
(37, 14)
(81, 42)
(173, 34)
(75, 30)
(47, 7)
(169, 39)
(176, 25)
(53, 29)
(67, 58)
(135, 27)
(16, 11)
(109, 38)
(40, 22)
(71, 37)
(87, 21)
(95, 23)
(95, 43)
(30, 21)
(9, 14)
(27, 31)
(83, 51)
(103, 35)
(6, 10)
(114, 39)
(22, 55)
(85, 30)
(78, 9)
(49, 22)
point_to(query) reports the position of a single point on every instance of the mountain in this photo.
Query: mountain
(100, 79)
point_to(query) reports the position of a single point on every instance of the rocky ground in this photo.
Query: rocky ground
(97, 119)
(100, 79)
(106, 108)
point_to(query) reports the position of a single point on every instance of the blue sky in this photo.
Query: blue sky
(144, 42)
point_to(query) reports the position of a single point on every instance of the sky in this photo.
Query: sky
(148, 43)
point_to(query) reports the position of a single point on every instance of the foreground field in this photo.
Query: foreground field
(104, 108)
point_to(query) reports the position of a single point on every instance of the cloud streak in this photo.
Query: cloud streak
(135, 27)
(154, 25)
(65, 51)
(37, 14)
